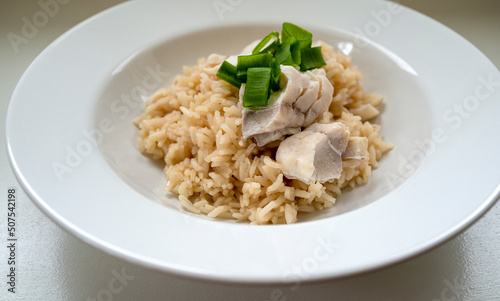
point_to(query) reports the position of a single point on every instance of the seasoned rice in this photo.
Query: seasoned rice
(194, 125)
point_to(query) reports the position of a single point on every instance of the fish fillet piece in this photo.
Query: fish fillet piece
(315, 154)
(301, 99)
(357, 148)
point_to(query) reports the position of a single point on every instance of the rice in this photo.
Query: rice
(194, 125)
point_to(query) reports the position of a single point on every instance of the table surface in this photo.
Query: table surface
(54, 265)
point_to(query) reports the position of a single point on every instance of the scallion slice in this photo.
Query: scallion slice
(227, 72)
(284, 54)
(265, 41)
(275, 74)
(292, 30)
(303, 40)
(311, 58)
(250, 61)
(257, 87)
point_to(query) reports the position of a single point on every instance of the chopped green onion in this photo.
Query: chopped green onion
(303, 37)
(292, 30)
(227, 72)
(257, 87)
(249, 61)
(283, 53)
(275, 74)
(295, 49)
(311, 58)
(265, 41)
(261, 71)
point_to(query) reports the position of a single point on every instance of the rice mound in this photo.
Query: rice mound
(194, 125)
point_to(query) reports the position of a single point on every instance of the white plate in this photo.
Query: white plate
(72, 144)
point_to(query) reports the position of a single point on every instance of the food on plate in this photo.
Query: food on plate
(302, 97)
(315, 154)
(262, 136)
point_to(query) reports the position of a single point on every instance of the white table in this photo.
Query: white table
(53, 265)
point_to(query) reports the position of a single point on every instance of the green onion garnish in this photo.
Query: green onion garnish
(261, 70)
(311, 58)
(265, 41)
(284, 54)
(249, 61)
(275, 74)
(257, 87)
(302, 36)
(227, 72)
(292, 30)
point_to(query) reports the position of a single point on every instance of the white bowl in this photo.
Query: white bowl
(72, 143)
